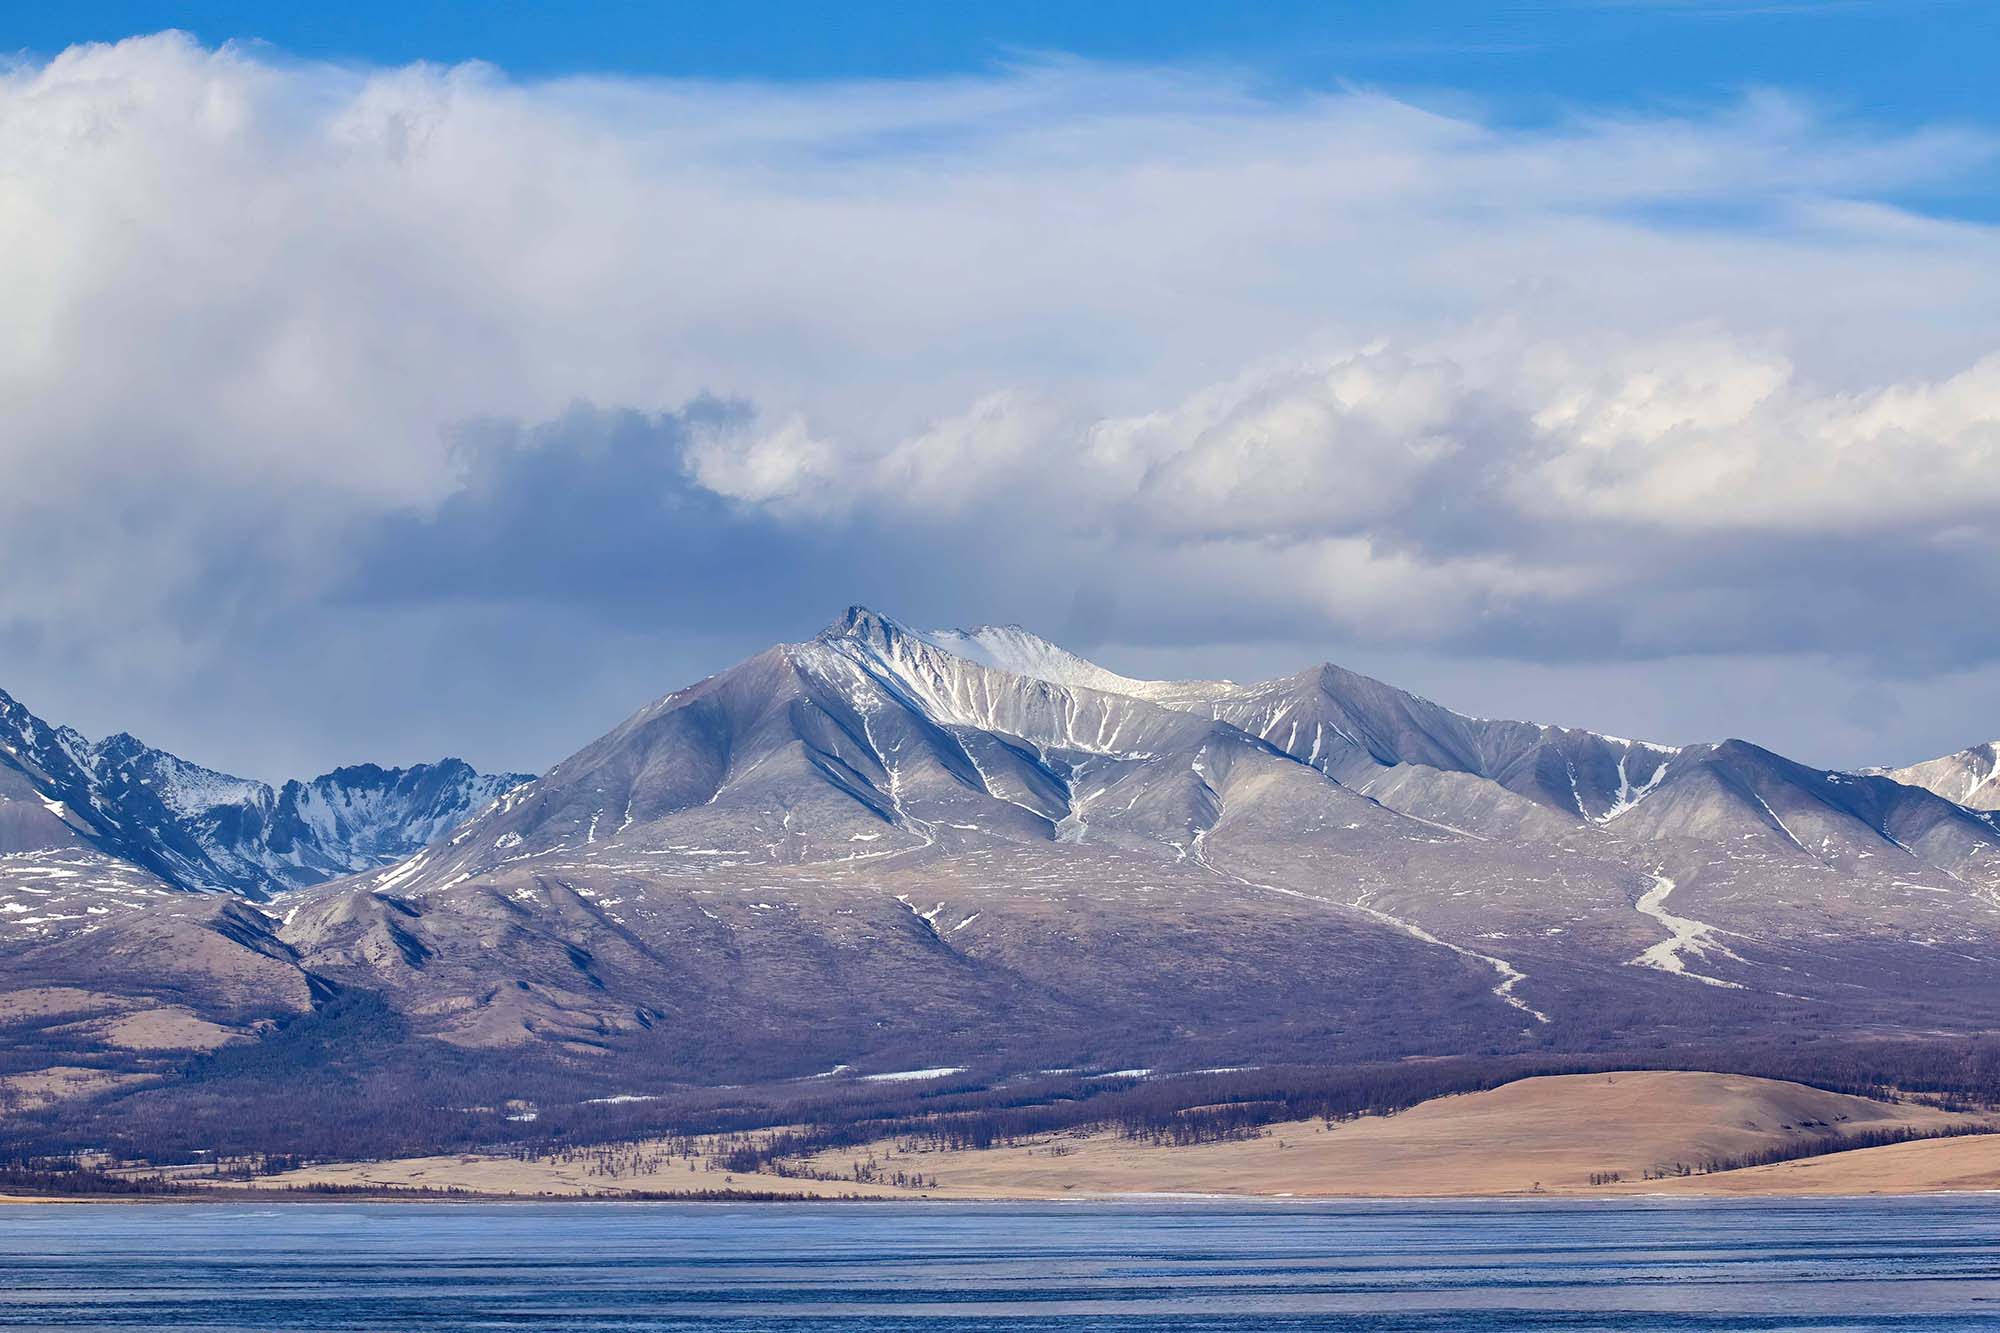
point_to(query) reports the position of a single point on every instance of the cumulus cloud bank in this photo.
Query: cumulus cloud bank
(327, 390)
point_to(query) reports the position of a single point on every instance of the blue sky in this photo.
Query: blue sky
(1899, 61)
(1629, 364)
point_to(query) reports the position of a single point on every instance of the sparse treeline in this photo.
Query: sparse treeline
(69, 1177)
(350, 1081)
(1209, 1108)
(1821, 1144)
(1180, 1111)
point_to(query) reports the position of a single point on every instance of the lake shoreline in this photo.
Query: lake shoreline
(228, 1197)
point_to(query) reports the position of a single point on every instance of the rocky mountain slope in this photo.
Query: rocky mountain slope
(883, 850)
(1970, 778)
(157, 823)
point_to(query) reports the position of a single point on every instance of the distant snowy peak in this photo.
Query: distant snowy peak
(186, 790)
(201, 830)
(864, 653)
(1011, 648)
(1970, 778)
(364, 816)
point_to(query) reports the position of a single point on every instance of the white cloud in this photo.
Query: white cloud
(1400, 377)
(783, 466)
(1525, 454)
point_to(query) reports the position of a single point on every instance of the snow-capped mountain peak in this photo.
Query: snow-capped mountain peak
(194, 828)
(1021, 652)
(1012, 648)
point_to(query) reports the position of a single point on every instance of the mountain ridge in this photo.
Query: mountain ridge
(196, 829)
(881, 849)
(1968, 777)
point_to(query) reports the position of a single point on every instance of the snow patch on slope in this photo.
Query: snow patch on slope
(1011, 648)
(1684, 935)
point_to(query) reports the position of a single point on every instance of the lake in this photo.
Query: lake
(1540, 1264)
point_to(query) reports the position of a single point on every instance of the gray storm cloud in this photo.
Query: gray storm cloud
(379, 402)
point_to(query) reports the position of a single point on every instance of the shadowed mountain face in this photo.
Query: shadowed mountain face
(174, 825)
(887, 850)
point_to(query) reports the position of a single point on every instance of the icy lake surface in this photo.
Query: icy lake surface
(1840, 1264)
